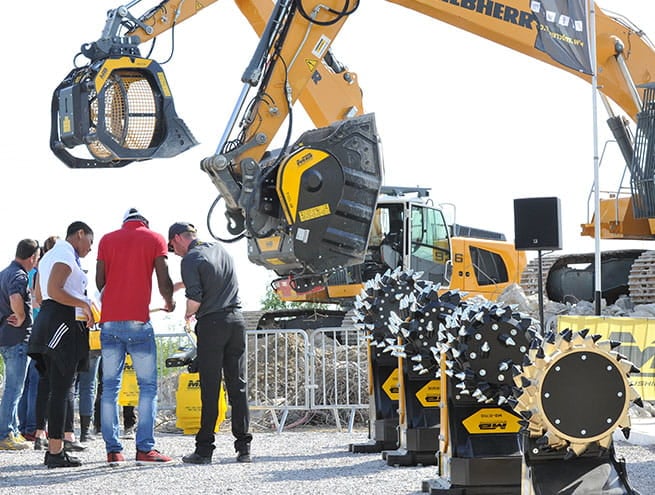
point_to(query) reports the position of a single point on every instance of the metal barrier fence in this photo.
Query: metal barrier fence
(339, 372)
(291, 370)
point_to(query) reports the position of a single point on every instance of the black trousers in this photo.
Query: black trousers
(60, 404)
(42, 401)
(221, 354)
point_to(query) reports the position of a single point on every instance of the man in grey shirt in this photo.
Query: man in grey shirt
(212, 293)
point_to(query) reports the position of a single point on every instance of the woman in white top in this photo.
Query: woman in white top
(59, 340)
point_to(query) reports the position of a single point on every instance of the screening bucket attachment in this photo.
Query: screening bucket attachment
(121, 109)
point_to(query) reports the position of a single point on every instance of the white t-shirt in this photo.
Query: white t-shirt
(62, 252)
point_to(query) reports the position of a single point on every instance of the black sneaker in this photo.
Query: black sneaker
(244, 456)
(61, 460)
(196, 458)
(40, 444)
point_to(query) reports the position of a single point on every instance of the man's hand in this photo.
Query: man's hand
(15, 320)
(169, 306)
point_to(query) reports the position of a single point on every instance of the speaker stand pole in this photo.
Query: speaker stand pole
(541, 293)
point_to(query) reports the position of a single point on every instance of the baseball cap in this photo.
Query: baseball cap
(133, 214)
(180, 228)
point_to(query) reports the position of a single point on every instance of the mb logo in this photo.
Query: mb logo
(193, 384)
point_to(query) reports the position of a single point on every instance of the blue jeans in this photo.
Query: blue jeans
(15, 359)
(86, 386)
(119, 338)
(27, 404)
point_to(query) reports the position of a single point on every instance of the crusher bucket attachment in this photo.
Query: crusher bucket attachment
(326, 192)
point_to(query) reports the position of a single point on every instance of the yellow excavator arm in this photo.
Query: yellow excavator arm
(513, 24)
(334, 93)
(625, 56)
(120, 109)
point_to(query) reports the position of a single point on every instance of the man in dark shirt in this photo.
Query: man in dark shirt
(212, 294)
(15, 327)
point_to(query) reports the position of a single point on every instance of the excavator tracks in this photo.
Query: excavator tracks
(642, 279)
(530, 275)
(570, 277)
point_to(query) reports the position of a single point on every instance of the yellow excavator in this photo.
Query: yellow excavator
(314, 212)
(308, 208)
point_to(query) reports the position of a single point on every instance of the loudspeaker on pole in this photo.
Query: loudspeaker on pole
(537, 224)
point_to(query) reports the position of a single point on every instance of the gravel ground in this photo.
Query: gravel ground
(298, 461)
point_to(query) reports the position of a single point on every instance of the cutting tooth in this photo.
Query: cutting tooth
(605, 442)
(417, 367)
(417, 358)
(485, 347)
(507, 340)
(575, 450)
(608, 345)
(628, 367)
(577, 339)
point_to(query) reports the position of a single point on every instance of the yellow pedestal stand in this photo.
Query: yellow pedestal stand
(188, 404)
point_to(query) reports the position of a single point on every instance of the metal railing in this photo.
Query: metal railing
(338, 372)
(277, 371)
(291, 370)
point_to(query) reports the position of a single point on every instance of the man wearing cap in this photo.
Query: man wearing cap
(126, 259)
(212, 293)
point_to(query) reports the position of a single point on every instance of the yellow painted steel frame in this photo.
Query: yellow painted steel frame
(508, 23)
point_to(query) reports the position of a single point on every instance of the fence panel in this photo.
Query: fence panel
(338, 372)
(277, 371)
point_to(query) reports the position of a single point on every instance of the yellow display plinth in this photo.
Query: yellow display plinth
(129, 392)
(188, 405)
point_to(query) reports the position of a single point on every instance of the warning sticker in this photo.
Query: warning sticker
(311, 64)
(321, 46)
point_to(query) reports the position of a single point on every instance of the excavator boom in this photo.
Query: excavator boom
(119, 108)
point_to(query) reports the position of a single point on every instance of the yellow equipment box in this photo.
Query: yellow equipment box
(188, 407)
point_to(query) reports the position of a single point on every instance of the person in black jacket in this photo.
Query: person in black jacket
(60, 338)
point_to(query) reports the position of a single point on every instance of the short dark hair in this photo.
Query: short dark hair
(26, 249)
(75, 226)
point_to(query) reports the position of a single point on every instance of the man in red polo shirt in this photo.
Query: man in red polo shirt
(127, 258)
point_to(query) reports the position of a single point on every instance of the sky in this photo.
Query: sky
(478, 123)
